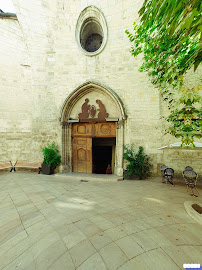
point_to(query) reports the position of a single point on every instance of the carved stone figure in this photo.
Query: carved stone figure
(102, 115)
(88, 112)
(85, 110)
(92, 111)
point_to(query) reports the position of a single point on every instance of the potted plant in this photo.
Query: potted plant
(139, 166)
(51, 158)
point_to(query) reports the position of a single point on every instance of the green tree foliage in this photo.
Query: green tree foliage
(185, 118)
(169, 36)
(181, 19)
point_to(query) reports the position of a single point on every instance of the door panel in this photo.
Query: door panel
(83, 130)
(82, 155)
(105, 129)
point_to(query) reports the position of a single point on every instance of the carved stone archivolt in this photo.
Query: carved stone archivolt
(88, 112)
(84, 92)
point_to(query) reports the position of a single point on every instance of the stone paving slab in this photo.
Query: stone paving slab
(58, 223)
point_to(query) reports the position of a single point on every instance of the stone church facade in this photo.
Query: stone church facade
(67, 75)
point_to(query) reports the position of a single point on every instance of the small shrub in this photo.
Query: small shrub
(138, 162)
(51, 155)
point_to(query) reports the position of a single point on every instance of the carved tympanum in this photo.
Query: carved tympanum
(89, 111)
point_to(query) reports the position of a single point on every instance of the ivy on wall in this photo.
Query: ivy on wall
(169, 36)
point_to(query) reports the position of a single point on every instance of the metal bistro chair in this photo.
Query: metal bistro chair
(190, 178)
(162, 168)
(169, 174)
(188, 168)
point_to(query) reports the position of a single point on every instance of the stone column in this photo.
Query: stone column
(64, 146)
(69, 147)
(119, 148)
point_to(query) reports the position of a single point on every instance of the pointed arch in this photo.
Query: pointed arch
(84, 89)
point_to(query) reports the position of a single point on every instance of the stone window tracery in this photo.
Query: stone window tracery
(91, 31)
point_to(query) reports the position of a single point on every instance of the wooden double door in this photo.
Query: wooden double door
(82, 136)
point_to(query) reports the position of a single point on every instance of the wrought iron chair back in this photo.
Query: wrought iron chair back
(190, 178)
(188, 168)
(169, 174)
(162, 168)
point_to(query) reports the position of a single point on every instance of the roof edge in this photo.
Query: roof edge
(5, 15)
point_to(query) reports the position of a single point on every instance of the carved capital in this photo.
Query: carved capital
(119, 124)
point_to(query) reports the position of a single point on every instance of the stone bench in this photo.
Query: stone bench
(22, 164)
(6, 165)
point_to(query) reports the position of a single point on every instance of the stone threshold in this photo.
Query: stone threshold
(90, 176)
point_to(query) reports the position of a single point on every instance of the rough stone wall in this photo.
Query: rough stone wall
(15, 91)
(54, 66)
(179, 158)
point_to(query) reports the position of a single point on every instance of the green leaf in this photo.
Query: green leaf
(169, 36)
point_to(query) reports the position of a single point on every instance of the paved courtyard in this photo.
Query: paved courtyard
(58, 223)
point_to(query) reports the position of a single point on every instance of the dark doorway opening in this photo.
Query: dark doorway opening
(103, 154)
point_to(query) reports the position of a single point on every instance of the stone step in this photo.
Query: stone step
(90, 176)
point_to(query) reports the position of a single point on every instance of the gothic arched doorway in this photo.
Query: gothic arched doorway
(92, 121)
